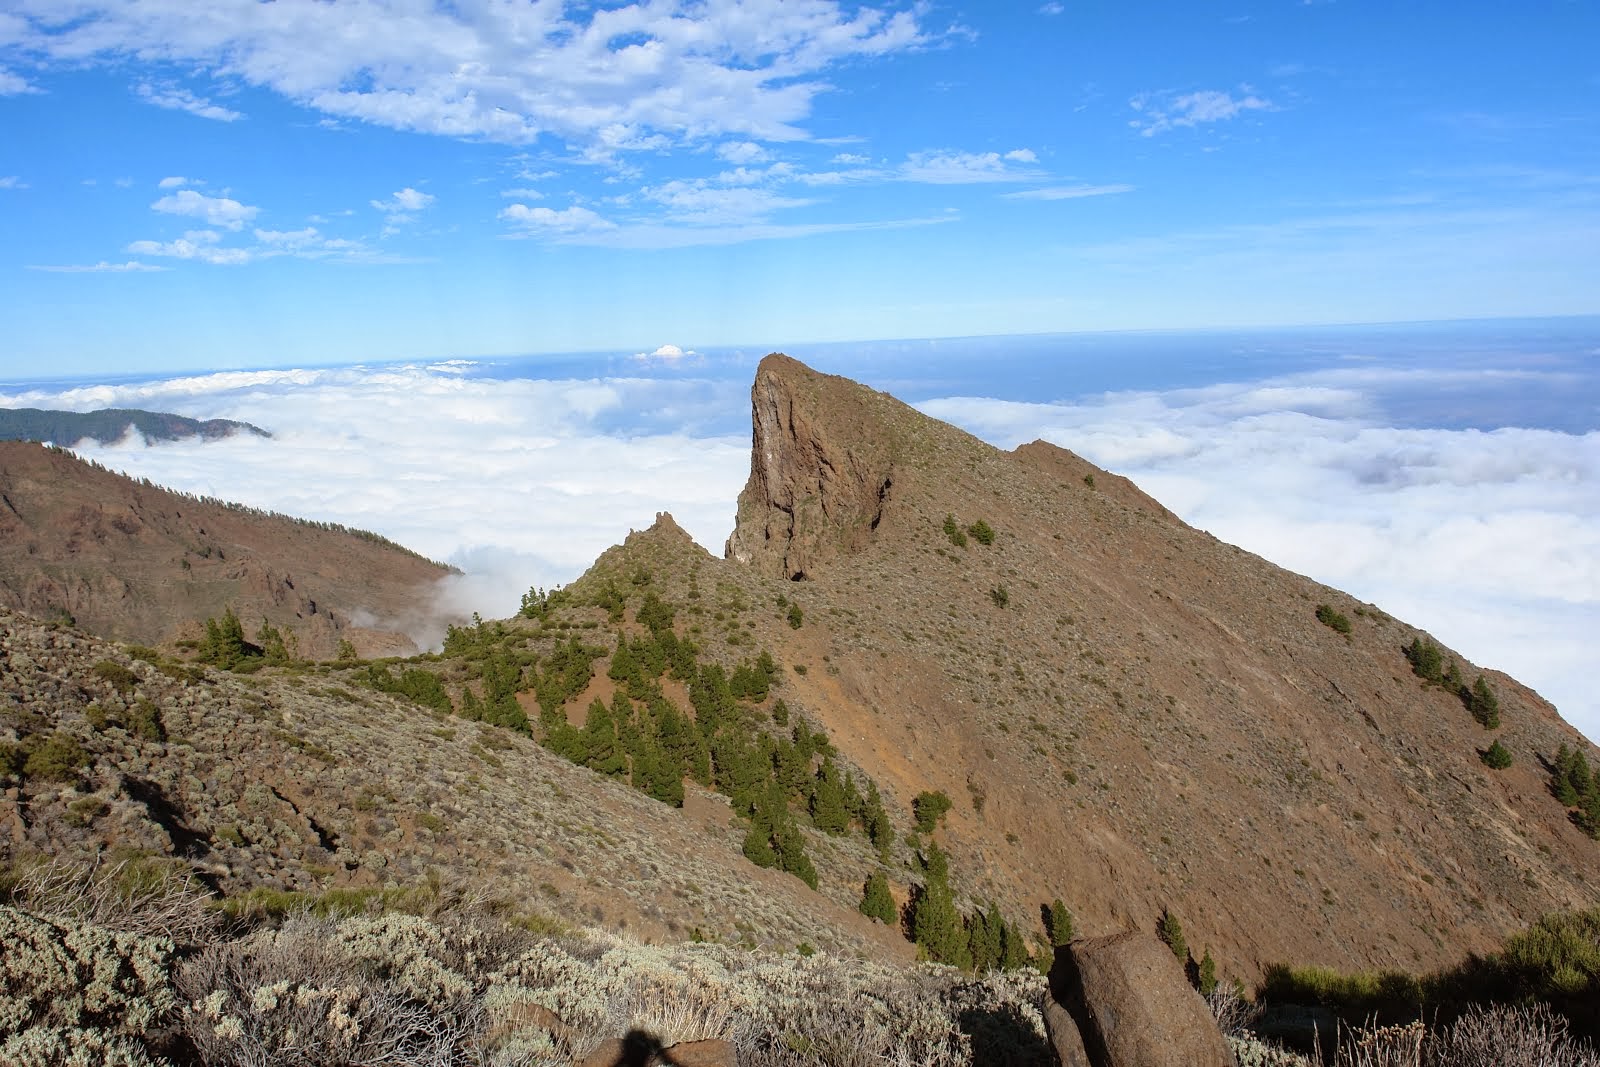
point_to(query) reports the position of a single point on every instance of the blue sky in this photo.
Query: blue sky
(237, 184)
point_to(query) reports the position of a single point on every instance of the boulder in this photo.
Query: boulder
(1063, 1035)
(1133, 1006)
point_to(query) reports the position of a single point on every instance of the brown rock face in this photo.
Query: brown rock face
(820, 478)
(1133, 1006)
(1212, 747)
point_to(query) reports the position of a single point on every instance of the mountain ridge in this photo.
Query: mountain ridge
(1124, 713)
(134, 561)
(107, 425)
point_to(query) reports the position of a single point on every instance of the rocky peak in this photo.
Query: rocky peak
(822, 468)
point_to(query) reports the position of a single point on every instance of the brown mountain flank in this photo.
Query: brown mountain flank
(1131, 714)
(132, 561)
(1128, 715)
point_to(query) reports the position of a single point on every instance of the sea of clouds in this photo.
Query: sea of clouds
(1488, 539)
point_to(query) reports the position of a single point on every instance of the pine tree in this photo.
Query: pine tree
(601, 751)
(270, 638)
(1060, 923)
(1560, 784)
(1484, 705)
(929, 808)
(1013, 949)
(876, 900)
(876, 821)
(828, 801)
(1426, 660)
(1208, 974)
(1496, 757)
(855, 805)
(936, 926)
(790, 844)
(758, 845)
(986, 933)
(1170, 930)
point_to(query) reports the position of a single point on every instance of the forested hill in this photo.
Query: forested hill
(110, 424)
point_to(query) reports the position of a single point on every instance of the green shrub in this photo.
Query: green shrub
(85, 810)
(954, 532)
(121, 678)
(1000, 596)
(1496, 757)
(1088, 479)
(58, 757)
(99, 719)
(1332, 619)
(1384, 996)
(796, 616)
(981, 532)
(145, 721)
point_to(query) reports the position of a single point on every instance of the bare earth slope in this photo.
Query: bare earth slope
(1130, 714)
(132, 561)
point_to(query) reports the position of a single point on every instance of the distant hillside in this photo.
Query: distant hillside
(130, 560)
(111, 424)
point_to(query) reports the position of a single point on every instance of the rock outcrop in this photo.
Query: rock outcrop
(820, 474)
(1128, 1000)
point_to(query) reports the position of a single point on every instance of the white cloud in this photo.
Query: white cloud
(179, 99)
(130, 267)
(215, 210)
(201, 245)
(424, 455)
(1163, 111)
(172, 183)
(522, 194)
(11, 181)
(669, 355)
(1052, 8)
(699, 204)
(605, 78)
(405, 202)
(742, 153)
(547, 220)
(962, 168)
(1068, 192)
(14, 84)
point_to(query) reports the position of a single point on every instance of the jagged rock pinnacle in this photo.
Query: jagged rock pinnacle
(821, 469)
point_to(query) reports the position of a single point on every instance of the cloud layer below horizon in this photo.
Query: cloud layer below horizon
(1488, 540)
